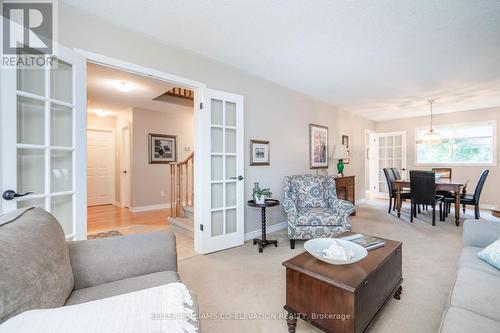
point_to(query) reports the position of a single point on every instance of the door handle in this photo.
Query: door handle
(124, 171)
(9, 194)
(239, 177)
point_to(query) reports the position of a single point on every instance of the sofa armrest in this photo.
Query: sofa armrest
(480, 233)
(341, 206)
(98, 261)
(289, 206)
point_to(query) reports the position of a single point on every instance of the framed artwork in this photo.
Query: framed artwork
(345, 142)
(162, 148)
(259, 152)
(318, 146)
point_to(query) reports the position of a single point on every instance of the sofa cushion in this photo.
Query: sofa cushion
(122, 287)
(469, 259)
(34, 259)
(458, 320)
(310, 191)
(319, 217)
(478, 292)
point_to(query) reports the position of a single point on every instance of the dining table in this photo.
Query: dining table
(457, 187)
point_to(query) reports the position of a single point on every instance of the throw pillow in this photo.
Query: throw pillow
(491, 254)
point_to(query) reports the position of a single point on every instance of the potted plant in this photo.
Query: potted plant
(260, 195)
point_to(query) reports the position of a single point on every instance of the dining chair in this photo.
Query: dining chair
(445, 173)
(390, 178)
(471, 200)
(396, 173)
(423, 192)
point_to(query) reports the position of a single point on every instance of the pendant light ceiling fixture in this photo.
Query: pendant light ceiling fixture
(431, 136)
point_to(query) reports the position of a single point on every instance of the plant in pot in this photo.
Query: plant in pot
(260, 195)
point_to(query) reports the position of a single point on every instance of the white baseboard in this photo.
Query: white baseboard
(272, 228)
(150, 207)
(116, 203)
(360, 201)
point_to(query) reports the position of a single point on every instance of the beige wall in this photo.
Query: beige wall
(150, 180)
(489, 195)
(272, 112)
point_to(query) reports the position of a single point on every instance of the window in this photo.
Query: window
(472, 143)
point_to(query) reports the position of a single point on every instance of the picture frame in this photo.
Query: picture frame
(318, 147)
(162, 148)
(345, 142)
(260, 154)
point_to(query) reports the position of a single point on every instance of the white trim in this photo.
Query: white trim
(360, 201)
(200, 143)
(461, 164)
(150, 207)
(117, 203)
(272, 228)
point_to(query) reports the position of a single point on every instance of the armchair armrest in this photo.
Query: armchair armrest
(480, 233)
(104, 260)
(289, 206)
(341, 206)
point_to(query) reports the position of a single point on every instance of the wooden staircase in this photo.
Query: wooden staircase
(182, 196)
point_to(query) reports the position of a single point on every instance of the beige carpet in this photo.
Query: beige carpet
(241, 282)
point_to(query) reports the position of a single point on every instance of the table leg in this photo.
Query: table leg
(398, 201)
(291, 321)
(263, 242)
(457, 208)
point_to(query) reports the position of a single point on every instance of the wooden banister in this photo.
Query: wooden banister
(181, 185)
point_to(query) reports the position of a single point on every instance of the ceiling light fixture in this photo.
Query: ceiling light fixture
(124, 86)
(102, 113)
(431, 137)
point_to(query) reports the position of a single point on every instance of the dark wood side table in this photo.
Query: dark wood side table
(342, 298)
(263, 242)
(346, 189)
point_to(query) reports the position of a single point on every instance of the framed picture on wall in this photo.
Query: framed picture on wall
(345, 142)
(318, 146)
(162, 148)
(259, 153)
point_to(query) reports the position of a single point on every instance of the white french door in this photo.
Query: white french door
(223, 183)
(43, 140)
(390, 152)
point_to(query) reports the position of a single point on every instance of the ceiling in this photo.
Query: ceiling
(379, 59)
(103, 94)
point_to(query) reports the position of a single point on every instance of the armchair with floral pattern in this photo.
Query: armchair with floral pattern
(313, 208)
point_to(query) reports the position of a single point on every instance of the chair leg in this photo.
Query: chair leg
(441, 212)
(292, 244)
(411, 212)
(433, 215)
(390, 205)
(415, 210)
(418, 209)
(477, 215)
(463, 208)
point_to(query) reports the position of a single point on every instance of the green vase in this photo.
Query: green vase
(340, 167)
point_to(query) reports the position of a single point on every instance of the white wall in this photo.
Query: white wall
(272, 112)
(150, 180)
(471, 173)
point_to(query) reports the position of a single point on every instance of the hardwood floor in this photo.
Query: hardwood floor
(110, 217)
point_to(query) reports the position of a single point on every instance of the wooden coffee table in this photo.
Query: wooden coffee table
(342, 298)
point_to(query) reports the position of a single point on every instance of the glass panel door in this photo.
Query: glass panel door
(225, 219)
(41, 150)
(390, 153)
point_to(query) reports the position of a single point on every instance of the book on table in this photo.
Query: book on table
(366, 241)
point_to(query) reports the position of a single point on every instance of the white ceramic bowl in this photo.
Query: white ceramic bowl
(316, 246)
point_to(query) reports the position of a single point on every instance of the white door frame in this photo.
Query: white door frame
(370, 161)
(199, 92)
(125, 164)
(113, 146)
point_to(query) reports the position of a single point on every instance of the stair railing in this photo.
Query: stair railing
(181, 185)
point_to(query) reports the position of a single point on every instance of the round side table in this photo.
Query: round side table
(263, 242)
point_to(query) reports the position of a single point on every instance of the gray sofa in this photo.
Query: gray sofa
(475, 300)
(40, 270)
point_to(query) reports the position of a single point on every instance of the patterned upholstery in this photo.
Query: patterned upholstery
(313, 207)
